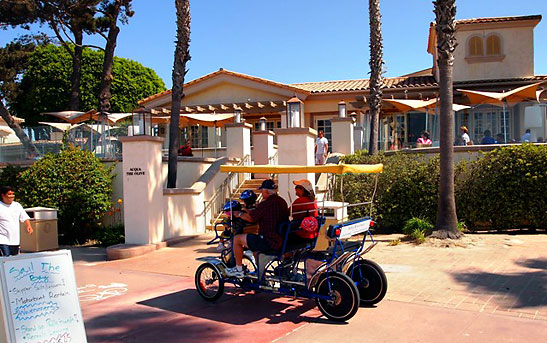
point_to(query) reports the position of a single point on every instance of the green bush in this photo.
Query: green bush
(76, 183)
(10, 176)
(110, 235)
(505, 189)
(407, 188)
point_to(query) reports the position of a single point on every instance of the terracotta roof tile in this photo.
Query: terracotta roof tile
(363, 84)
(497, 19)
(226, 72)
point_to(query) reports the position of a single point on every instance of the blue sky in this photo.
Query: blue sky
(298, 41)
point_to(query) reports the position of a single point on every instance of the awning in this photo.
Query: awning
(528, 92)
(75, 117)
(5, 131)
(297, 169)
(207, 119)
(405, 105)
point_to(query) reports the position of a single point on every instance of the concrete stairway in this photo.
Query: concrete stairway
(251, 184)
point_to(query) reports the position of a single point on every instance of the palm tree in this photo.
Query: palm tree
(376, 62)
(445, 28)
(182, 55)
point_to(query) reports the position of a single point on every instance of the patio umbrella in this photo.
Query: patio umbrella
(524, 93)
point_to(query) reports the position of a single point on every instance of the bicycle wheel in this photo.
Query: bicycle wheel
(371, 281)
(344, 301)
(209, 282)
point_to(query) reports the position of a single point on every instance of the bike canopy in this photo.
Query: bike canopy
(296, 169)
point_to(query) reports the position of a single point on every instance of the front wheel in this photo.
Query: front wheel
(344, 296)
(371, 281)
(209, 282)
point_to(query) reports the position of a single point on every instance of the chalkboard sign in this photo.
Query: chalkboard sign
(39, 299)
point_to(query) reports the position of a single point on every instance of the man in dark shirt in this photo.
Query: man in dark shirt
(269, 213)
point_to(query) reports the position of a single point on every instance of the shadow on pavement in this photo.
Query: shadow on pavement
(236, 308)
(528, 289)
(150, 326)
(88, 254)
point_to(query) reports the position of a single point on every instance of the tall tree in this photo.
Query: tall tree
(69, 20)
(445, 28)
(376, 80)
(14, 59)
(107, 27)
(182, 55)
(45, 84)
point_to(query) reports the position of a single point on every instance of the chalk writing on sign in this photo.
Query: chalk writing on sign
(42, 300)
(135, 172)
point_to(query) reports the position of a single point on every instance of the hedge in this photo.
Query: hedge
(503, 189)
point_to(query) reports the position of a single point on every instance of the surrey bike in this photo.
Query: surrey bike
(337, 277)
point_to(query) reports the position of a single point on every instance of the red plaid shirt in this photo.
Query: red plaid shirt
(269, 214)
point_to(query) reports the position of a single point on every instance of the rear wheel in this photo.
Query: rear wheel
(371, 281)
(344, 301)
(209, 282)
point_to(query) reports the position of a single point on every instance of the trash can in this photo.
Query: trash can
(44, 223)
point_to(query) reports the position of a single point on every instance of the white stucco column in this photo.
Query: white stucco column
(342, 135)
(263, 149)
(238, 140)
(142, 189)
(295, 146)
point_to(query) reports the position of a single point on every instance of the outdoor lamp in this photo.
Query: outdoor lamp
(294, 108)
(237, 118)
(342, 109)
(262, 124)
(142, 123)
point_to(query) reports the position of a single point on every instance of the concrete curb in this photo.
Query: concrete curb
(123, 251)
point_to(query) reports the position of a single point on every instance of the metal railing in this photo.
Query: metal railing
(230, 185)
(272, 160)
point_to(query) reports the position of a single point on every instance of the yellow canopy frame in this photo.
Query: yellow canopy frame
(297, 169)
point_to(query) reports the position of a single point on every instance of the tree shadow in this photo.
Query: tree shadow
(534, 263)
(88, 254)
(528, 289)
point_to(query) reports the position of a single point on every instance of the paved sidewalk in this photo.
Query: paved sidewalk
(500, 274)
(493, 289)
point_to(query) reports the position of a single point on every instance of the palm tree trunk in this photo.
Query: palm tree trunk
(27, 144)
(376, 62)
(182, 55)
(447, 221)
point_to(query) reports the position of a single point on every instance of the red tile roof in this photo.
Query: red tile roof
(363, 84)
(226, 72)
(497, 19)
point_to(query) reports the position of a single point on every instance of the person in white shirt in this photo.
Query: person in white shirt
(11, 213)
(321, 148)
(465, 135)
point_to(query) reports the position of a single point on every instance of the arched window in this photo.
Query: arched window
(475, 46)
(493, 45)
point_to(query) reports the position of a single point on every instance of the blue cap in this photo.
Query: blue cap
(268, 184)
(247, 194)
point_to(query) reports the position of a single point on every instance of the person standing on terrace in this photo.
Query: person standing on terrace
(321, 148)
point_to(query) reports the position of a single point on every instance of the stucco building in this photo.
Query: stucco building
(493, 54)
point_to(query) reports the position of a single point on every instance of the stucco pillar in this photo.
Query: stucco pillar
(238, 140)
(142, 189)
(295, 146)
(263, 149)
(342, 135)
